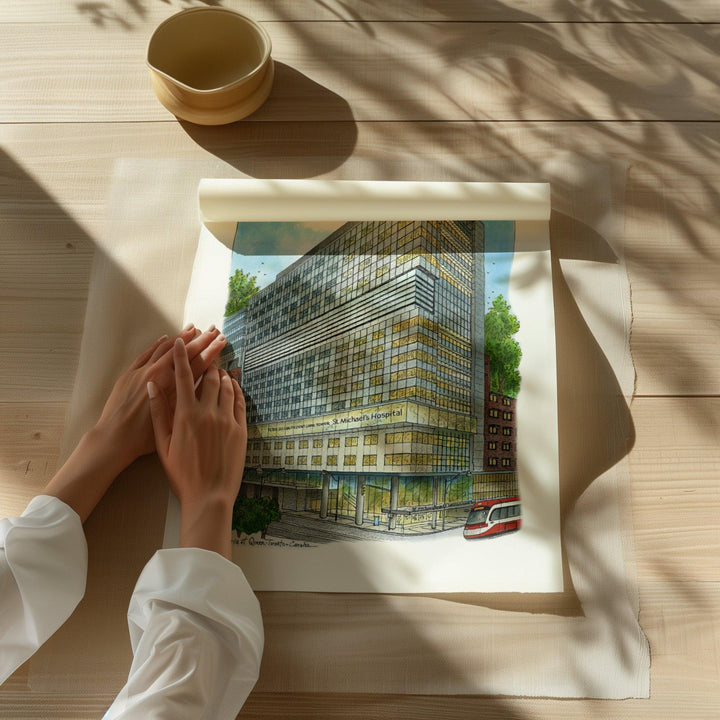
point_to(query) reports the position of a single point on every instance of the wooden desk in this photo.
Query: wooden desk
(452, 90)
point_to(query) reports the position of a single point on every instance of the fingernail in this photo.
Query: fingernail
(151, 390)
(188, 327)
(179, 343)
(162, 337)
(221, 338)
(211, 328)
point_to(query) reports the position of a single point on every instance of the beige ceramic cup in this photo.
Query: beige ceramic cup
(210, 66)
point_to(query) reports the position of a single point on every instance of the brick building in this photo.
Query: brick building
(500, 429)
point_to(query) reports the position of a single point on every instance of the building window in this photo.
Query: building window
(506, 446)
(507, 415)
(506, 462)
(351, 441)
(492, 445)
(507, 401)
(493, 412)
(317, 442)
(494, 428)
(317, 459)
(266, 459)
(492, 462)
(302, 459)
(334, 442)
(276, 460)
(369, 460)
(332, 460)
(371, 440)
(278, 445)
(289, 460)
(289, 444)
(493, 397)
(349, 460)
(507, 431)
(303, 443)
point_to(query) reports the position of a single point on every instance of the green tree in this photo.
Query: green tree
(503, 351)
(241, 288)
(251, 515)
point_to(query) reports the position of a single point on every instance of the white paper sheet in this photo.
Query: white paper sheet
(526, 561)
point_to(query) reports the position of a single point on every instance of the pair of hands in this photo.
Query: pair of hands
(200, 435)
(195, 420)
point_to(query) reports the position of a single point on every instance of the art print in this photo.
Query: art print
(399, 374)
(381, 376)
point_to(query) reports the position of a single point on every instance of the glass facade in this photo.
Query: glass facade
(362, 357)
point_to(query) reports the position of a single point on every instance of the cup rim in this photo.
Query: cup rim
(212, 10)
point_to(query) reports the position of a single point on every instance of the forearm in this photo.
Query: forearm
(206, 524)
(88, 472)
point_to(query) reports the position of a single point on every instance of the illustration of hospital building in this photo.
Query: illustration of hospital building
(363, 369)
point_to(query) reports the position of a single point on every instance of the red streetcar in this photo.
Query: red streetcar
(490, 518)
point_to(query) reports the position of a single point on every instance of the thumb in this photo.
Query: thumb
(160, 415)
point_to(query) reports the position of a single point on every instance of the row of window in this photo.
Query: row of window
(501, 462)
(493, 430)
(495, 413)
(504, 446)
(392, 438)
(333, 442)
(494, 397)
(354, 460)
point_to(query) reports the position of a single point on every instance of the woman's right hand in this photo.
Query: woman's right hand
(202, 447)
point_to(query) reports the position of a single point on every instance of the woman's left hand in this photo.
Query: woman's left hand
(126, 415)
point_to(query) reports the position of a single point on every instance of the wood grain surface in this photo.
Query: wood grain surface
(455, 90)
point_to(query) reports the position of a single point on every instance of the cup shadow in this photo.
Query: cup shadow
(291, 147)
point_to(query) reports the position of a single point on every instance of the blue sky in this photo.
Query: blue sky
(270, 247)
(499, 245)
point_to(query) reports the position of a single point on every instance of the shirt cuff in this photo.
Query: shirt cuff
(194, 624)
(43, 571)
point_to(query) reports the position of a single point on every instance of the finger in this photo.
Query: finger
(226, 399)
(162, 349)
(145, 355)
(188, 333)
(162, 358)
(207, 357)
(184, 389)
(210, 387)
(200, 342)
(160, 415)
(239, 404)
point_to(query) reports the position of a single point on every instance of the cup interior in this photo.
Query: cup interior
(208, 49)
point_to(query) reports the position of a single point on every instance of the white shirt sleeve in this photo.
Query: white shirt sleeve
(43, 569)
(197, 639)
